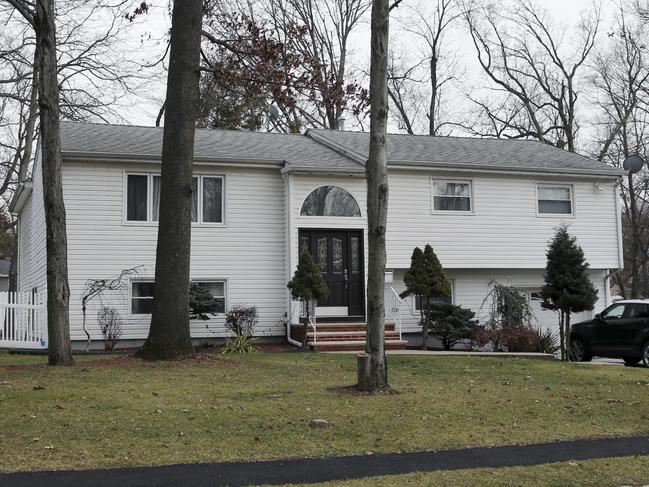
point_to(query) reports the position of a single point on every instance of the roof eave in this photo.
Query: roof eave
(295, 169)
(21, 196)
(148, 158)
(611, 173)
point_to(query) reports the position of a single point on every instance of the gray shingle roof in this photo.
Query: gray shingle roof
(483, 153)
(329, 149)
(115, 141)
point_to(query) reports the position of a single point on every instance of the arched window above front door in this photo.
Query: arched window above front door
(330, 201)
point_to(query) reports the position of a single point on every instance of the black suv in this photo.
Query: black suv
(620, 331)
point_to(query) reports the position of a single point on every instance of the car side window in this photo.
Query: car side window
(635, 310)
(615, 312)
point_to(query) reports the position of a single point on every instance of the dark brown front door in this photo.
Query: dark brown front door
(339, 254)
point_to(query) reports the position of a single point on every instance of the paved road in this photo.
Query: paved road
(310, 470)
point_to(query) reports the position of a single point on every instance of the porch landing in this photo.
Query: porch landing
(347, 337)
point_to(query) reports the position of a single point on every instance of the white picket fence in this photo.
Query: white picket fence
(23, 320)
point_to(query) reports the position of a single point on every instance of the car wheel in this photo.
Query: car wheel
(631, 361)
(578, 351)
(645, 354)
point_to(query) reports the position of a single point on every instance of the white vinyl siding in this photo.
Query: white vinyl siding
(248, 252)
(554, 199)
(31, 245)
(470, 287)
(503, 231)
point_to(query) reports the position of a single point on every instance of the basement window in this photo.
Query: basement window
(141, 297)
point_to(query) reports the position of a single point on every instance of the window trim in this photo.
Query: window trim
(556, 184)
(149, 210)
(226, 288)
(341, 186)
(468, 181)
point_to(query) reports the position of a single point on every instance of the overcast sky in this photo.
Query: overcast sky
(149, 36)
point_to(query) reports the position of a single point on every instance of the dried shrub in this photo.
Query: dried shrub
(241, 320)
(110, 325)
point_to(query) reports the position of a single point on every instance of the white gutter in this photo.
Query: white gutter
(462, 168)
(588, 173)
(73, 156)
(288, 199)
(350, 171)
(21, 196)
(618, 224)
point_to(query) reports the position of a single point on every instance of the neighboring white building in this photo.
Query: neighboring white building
(488, 207)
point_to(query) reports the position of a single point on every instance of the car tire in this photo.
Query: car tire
(578, 351)
(645, 354)
(631, 362)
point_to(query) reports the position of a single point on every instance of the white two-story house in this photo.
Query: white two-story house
(488, 207)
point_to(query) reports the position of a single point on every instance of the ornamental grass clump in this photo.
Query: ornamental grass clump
(241, 321)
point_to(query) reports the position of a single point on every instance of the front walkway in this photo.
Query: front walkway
(312, 470)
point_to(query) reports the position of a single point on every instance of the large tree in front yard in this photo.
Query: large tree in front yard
(372, 366)
(169, 333)
(426, 281)
(567, 288)
(41, 16)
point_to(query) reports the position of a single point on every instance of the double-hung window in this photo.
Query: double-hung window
(142, 296)
(217, 290)
(143, 198)
(452, 196)
(554, 199)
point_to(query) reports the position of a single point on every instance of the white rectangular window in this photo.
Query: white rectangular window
(419, 300)
(141, 297)
(217, 290)
(143, 198)
(452, 196)
(554, 199)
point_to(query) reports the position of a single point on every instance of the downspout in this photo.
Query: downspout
(289, 211)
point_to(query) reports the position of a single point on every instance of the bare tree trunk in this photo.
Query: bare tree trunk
(372, 367)
(58, 292)
(432, 120)
(424, 325)
(169, 332)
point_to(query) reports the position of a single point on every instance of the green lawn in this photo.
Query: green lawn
(591, 473)
(259, 407)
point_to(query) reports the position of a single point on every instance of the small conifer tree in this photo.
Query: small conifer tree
(307, 285)
(425, 279)
(567, 288)
(201, 302)
(452, 324)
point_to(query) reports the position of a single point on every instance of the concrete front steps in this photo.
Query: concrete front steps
(339, 337)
